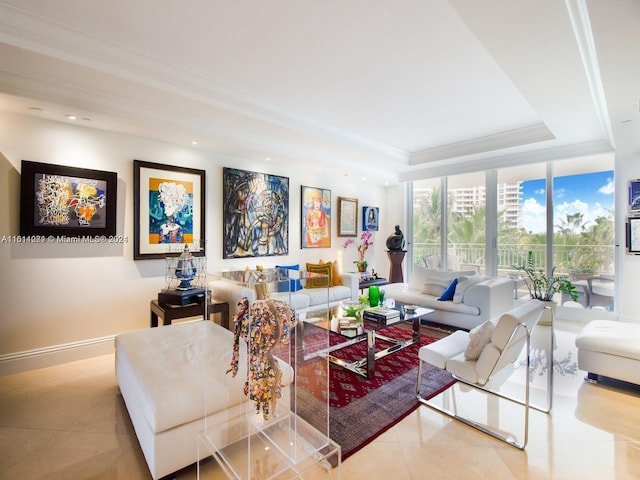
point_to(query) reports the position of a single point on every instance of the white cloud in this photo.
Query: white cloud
(539, 191)
(608, 188)
(534, 216)
(589, 212)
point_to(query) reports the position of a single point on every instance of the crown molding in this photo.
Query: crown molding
(37, 34)
(511, 138)
(488, 163)
(581, 24)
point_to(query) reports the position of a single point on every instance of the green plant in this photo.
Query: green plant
(542, 287)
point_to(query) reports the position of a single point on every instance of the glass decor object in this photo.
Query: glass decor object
(374, 296)
(185, 270)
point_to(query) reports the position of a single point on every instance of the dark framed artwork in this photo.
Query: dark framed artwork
(370, 219)
(634, 195)
(316, 217)
(67, 201)
(347, 217)
(633, 235)
(169, 210)
(255, 214)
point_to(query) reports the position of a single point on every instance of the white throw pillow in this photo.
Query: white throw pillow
(434, 288)
(418, 277)
(479, 338)
(464, 283)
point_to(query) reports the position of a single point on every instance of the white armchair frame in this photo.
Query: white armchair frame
(515, 326)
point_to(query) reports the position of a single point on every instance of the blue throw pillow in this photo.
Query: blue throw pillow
(294, 284)
(449, 292)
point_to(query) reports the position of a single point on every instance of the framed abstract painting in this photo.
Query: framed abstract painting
(169, 210)
(255, 214)
(57, 200)
(316, 217)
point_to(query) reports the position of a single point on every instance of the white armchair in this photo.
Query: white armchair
(475, 357)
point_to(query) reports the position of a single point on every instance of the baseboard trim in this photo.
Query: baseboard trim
(26, 360)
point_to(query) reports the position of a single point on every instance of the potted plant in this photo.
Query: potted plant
(361, 263)
(542, 287)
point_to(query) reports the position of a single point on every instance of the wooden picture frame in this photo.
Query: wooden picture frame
(370, 219)
(255, 214)
(57, 200)
(169, 210)
(315, 219)
(347, 217)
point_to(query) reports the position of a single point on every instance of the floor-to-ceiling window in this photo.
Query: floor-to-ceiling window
(427, 211)
(466, 221)
(515, 209)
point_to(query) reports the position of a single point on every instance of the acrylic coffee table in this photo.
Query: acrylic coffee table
(369, 332)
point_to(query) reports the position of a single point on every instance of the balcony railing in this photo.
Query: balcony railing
(509, 255)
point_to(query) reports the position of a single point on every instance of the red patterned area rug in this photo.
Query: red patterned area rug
(361, 409)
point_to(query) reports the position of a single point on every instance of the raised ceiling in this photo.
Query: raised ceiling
(396, 90)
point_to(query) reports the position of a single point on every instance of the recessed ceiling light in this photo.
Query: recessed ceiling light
(626, 121)
(194, 142)
(268, 159)
(36, 109)
(86, 119)
(71, 117)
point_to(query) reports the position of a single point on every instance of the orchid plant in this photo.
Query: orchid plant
(365, 243)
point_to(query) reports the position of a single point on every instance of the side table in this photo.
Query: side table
(372, 282)
(168, 313)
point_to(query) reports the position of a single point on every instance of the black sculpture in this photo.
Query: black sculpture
(395, 242)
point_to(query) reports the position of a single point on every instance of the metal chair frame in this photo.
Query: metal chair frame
(526, 402)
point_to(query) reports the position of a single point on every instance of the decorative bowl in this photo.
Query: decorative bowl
(410, 308)
(351, 309)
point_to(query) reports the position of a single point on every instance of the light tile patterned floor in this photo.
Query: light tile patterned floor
(69, 422)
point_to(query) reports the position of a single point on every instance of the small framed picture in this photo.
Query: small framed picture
(634, 195)
(370, 219)
(633, 235)
(347, 217)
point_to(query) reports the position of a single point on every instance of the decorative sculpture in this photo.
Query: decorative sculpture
(265, 326)
(395, 242)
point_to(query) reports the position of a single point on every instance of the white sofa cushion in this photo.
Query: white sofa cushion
(479, 338)
(464, 283)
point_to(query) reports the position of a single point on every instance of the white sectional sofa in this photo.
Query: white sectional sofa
(477, 298)
(303, 300)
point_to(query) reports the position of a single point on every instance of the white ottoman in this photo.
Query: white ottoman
(610, 348)
(169, 377)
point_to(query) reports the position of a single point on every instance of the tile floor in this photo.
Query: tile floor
(69, 422)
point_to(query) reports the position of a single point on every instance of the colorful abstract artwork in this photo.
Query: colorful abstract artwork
(255, 214)
(70, 201)
(67, 201)
(169, 210)
(316, 217)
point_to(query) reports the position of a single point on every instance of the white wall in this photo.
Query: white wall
(61, 302)
(628, 271)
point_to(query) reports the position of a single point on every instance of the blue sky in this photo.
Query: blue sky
(591, 194)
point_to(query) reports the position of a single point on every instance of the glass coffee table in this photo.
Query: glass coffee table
(367, 331)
